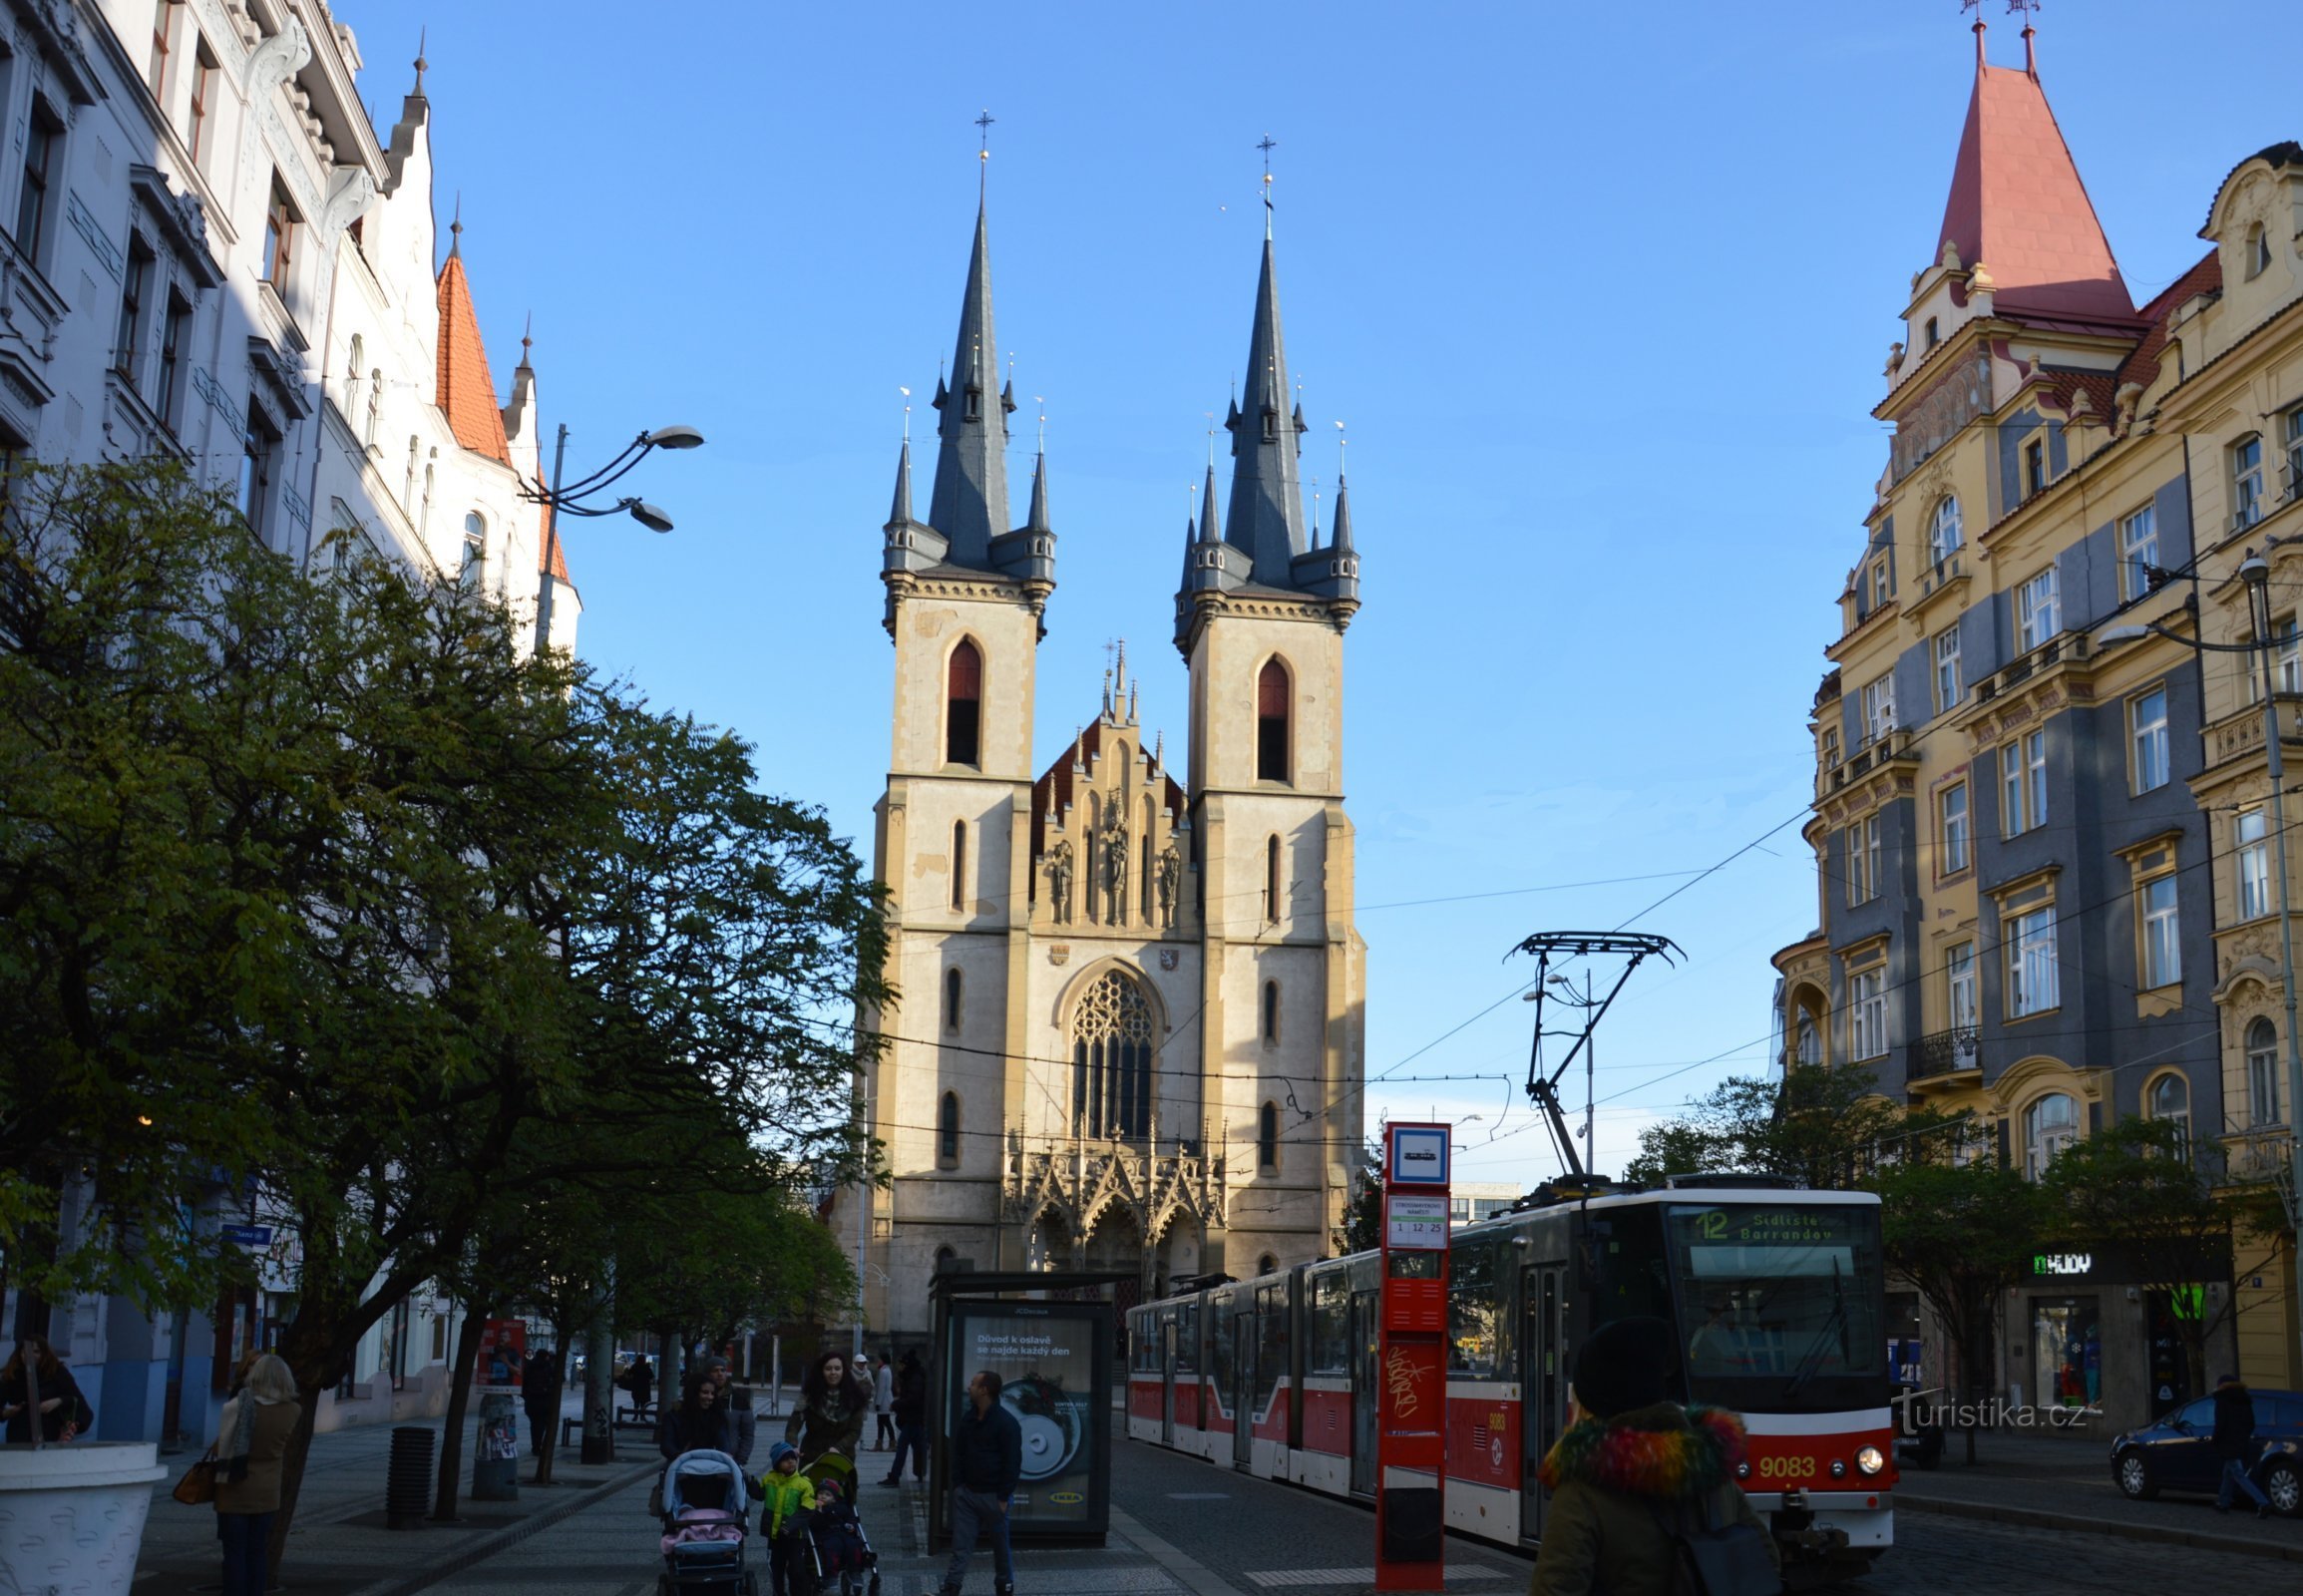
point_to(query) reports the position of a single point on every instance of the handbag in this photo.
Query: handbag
(198, 1487)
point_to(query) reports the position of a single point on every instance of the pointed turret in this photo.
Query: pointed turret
(1211, 530)
(1267, 519)
(1038, 520)
(900, 513)
(467, 393)
(2018, 206)
(1339, 526)
(969, 503)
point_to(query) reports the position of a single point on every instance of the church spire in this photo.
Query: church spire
(1038, 521)
(900, 514)
(969, 502)
(1267, 519)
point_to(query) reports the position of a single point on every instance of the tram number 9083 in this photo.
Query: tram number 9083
(1786, 1468)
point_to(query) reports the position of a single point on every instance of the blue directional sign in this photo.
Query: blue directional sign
(248, 1235)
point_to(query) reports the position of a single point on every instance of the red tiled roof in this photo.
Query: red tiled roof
(467, 392)
(2018, 206)
(554, 554)
(1051, 793)
(2205, 276)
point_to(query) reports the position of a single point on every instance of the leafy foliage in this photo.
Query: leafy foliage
(1823, 1127)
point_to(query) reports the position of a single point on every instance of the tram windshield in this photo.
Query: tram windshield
(1779, 1304)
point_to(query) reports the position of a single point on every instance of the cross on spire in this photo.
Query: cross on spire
(1267, 145)
(983, 123)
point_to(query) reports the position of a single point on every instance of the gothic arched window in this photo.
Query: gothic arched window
(959, 864)
(1268, 1138)
(1271, 1010)
(947, 1131)
(1111, 1060)
(963, 705)
(1272, 881)
(1272, 723)
(952, 999)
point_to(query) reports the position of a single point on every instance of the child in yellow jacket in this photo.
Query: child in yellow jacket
(790, 1494)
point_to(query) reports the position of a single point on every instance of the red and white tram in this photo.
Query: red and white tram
(1777, 1294)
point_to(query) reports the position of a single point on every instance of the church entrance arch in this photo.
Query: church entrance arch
(1047, 1244)
(1116, 1243)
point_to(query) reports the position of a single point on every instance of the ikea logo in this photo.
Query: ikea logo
(1065, 1498)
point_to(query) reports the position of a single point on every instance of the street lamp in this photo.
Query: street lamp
(568, 498)
(2255, 572)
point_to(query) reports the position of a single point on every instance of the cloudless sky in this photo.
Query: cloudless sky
(1602, 294)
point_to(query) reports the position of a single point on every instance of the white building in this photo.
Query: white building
(208, 252)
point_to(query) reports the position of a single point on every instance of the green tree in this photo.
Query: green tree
(1823, 1128)
(1363, 1215)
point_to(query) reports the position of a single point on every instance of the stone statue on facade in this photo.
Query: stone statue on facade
(1171, 870)
(1059, 880)
(1115, 871)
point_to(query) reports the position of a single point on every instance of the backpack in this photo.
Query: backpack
(1716, 1559)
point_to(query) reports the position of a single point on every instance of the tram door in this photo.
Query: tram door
(1242, 1392)
(1366, 1391)
(1167, 1380)
(1543, 1382)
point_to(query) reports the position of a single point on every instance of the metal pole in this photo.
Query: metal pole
(551, 539)
(863, 1225)
(2257, 574)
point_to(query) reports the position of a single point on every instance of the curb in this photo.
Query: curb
(506, 1538)
(2039, 1518)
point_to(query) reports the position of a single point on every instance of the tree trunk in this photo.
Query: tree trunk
(444, 1502)
(292, 1466)
(600, 1388)
(548, 1433)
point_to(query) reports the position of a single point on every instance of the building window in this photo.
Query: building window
(41, 138)
(952, 999)
(475, 568)
(963, 705)
(2162, 932)
(155, 74)
(959, 864)
(1864, 860)
(2139, 552)
(2251, 853)
(1867, 1014)
(1829, 747)
(352, 370)
(2168, 1098)
(256, 470)
(2037, 611)
(1268, 1139)
(135, 285)
(1881, 587)
(280, 239)
(1272, 880)
(2032, 979)
(1949, 690)
(1272, 723)
(2022, 784)
(1951, 807)
(1875, 702)
(2246, 479)
(1934, 333)
(2147, 737)
(203, 99)
(1944, 534)
(174, 330)
(2262, 1074)
(2048, 1126)
(1111, 1054)
(2292, 422)
(1271, 1012)
(2258, 251)
(2034, 467)
(1959, 973)
(375, 403)
(947, 1131)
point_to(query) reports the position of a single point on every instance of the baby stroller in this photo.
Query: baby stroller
(705, 1507)
(838, 1559)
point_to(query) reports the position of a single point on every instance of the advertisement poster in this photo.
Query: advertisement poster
(1046, 1358)
(503, 1354)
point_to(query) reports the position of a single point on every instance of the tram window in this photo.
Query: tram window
(1634, 1276)
(1187, 1338)
(1221, 1318)
(1331, 1349)
(1474, 1315)
(1271, 1343)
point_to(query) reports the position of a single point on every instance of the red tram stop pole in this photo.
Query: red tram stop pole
(1411, 1354)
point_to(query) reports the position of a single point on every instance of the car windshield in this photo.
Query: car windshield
(1777, 1297)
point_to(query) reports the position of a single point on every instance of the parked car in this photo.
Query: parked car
(2177, 1454)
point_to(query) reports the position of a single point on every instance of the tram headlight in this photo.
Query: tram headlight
(1743, 1470)
(1870, 1459)
(1838, 1468)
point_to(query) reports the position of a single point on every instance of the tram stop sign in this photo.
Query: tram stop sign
(1411, 1405)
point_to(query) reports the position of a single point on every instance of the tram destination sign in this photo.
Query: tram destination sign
(1414, 1222)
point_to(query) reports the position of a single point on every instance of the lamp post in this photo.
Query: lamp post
(2255, 572)
(568, 498)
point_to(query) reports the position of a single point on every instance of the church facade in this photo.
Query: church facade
(1129, 1036)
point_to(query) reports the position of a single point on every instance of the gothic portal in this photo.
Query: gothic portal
(1129, 1032)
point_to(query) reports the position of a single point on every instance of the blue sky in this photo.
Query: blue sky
(1601, 294)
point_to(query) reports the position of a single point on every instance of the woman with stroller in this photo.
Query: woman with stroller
(703, 1421)
(834, 1398)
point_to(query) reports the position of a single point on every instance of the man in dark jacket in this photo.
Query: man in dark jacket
(911, 1420)
(987, 1461)
(2235, 1445)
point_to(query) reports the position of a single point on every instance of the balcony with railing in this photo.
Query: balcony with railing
(2258, 1153)
(1890, 747)
(2066, 650)
(1937, 1059)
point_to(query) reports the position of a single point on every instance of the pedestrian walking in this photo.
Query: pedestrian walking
(2235, 1446)
(1641, 1475)
(790, 1498)
(64, 1412)
(639, 1380)
(540, 1389)
(910, 1410)
(830, 1418)
(252, 1439)
(703, 1421)
(739, 1401)
(987, 1462)
(883, 1404)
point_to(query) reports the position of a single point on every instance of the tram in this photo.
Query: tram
(1778, 1293)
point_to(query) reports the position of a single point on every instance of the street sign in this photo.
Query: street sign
(245, 1235)
(1411, 1401)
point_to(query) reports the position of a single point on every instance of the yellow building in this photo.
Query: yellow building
(2042, 831)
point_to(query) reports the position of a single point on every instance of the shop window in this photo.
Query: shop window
(2066, 1353)
(963, 705)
